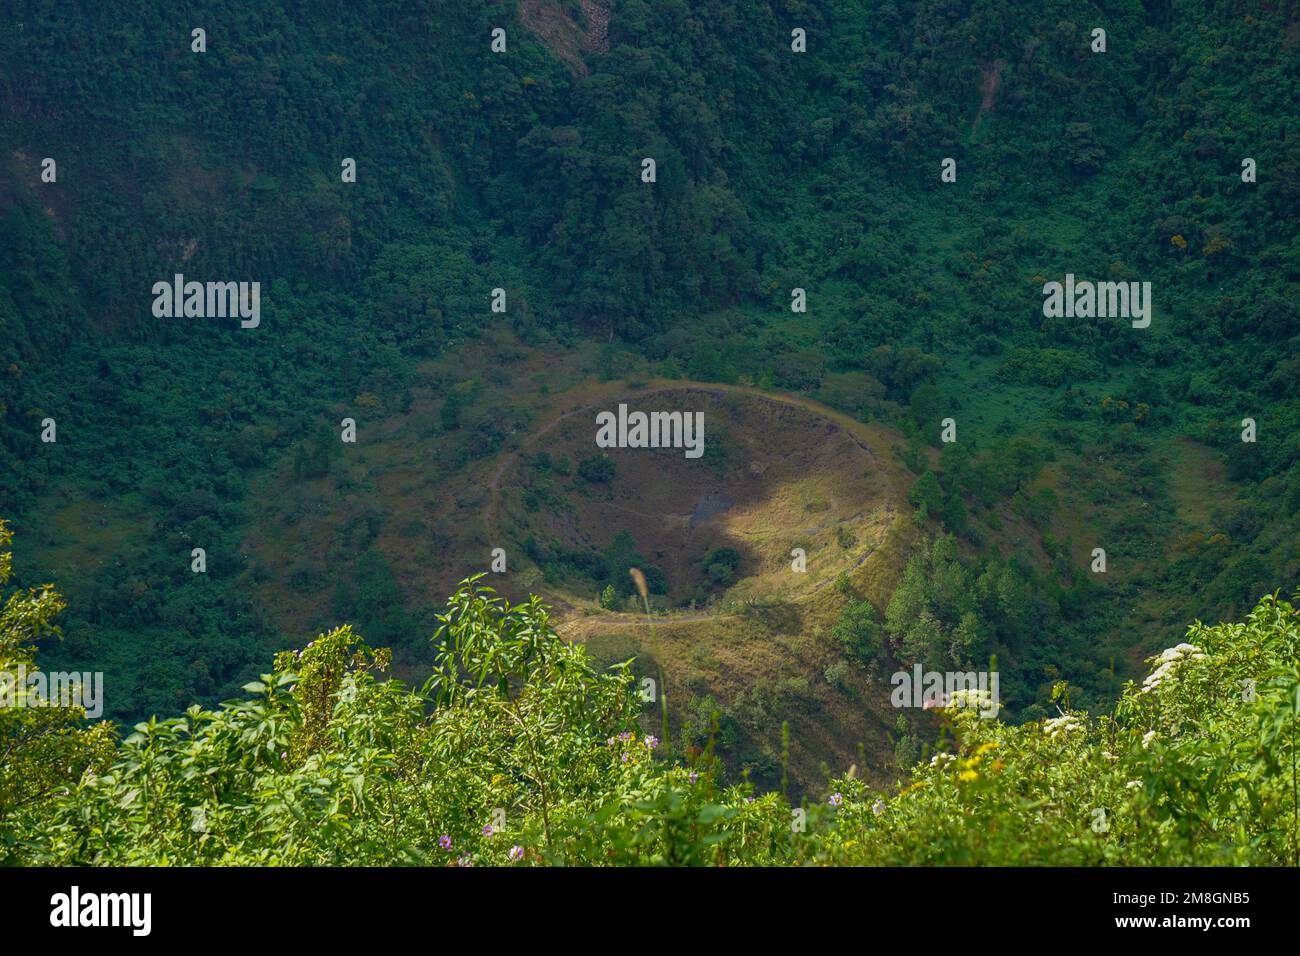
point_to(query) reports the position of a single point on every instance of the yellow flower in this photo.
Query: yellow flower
(967, 775)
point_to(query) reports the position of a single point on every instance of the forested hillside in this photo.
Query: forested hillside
(521, 170)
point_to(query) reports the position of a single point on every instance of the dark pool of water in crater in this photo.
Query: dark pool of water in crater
(709, 506)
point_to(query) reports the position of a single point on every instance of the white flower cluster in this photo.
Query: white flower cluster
(941, 760)
(1169, 660)
(975, 699)
(1059, 726)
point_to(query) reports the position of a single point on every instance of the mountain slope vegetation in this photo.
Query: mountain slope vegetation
(775, 171)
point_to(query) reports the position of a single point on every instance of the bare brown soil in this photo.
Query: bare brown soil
(568, 40)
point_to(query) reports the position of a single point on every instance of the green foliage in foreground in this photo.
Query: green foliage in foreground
(517, 751)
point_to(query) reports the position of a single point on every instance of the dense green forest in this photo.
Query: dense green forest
(521, 170)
